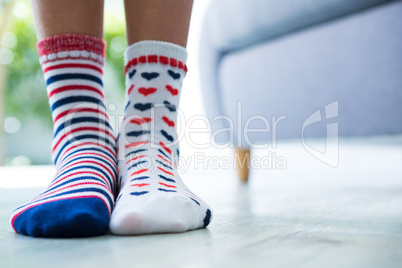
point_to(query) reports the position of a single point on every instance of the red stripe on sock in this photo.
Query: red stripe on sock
(73, 65)
(135, 144)
(75, 87)
(164, 60)
(167, 185)
(167, 172)
(88, 143)
(153, 58)
(173, 62)
(165, 159)
(130, 89)
(91, 153)
(140, 185)
(78, 110)
(135, 158)
(85, 162)
(139, 172)
(81, 129)
(196, 198)
(81, 145)
(142, 59)
(77, 173)
(166, 148)
(71, 42)
(91, 162)
(134, 62)
(73, 185)
(139, 121)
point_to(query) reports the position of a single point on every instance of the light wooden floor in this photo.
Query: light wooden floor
(309, 215)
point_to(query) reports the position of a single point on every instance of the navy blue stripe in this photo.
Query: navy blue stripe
(136, 152)
(136, 164)
(164, 154)
(85, 119)
(128, 103)
(92, 149)
(140, 178)
(165, 178)
(67, 76)
(75, 179)
(78, 166)
(195, 200)
(139, 193)
(164, 190)
(78, 98)
(82, 137)
(89, 157)
(138, 133)
(87, 167)
(163, 164)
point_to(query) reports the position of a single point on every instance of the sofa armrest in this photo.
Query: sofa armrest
(209, 61)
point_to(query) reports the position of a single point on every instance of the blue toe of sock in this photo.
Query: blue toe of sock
(80, 217)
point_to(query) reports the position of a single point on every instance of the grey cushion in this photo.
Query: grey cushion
(234, 24)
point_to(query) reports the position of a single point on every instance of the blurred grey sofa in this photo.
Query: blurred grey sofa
(303, 65)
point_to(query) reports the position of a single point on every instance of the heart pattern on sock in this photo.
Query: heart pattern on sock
(172, 90)
(167, 136)
(143, 106)
(139, 121)
(174, 75)
(150, 186)
(147, 91)
(171, 107)
(131, 74)
(149, 76)
(169, 122)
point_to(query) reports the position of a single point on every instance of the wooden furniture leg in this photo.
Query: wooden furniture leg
(242, 158)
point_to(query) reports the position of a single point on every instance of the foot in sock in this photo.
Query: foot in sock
(152, 197)
(78, 202)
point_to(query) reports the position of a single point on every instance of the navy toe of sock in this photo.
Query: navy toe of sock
(79, 217)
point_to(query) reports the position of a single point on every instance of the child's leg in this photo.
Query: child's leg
(66, 16)
(79, 200)
(152, 196)
(166, 20)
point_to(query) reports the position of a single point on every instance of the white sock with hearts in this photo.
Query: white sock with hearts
(152, 197)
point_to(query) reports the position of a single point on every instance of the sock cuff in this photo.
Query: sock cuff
(149, 51)
(71, 46)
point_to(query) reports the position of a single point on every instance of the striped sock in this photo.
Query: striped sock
(78, 202)
(153, 198)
